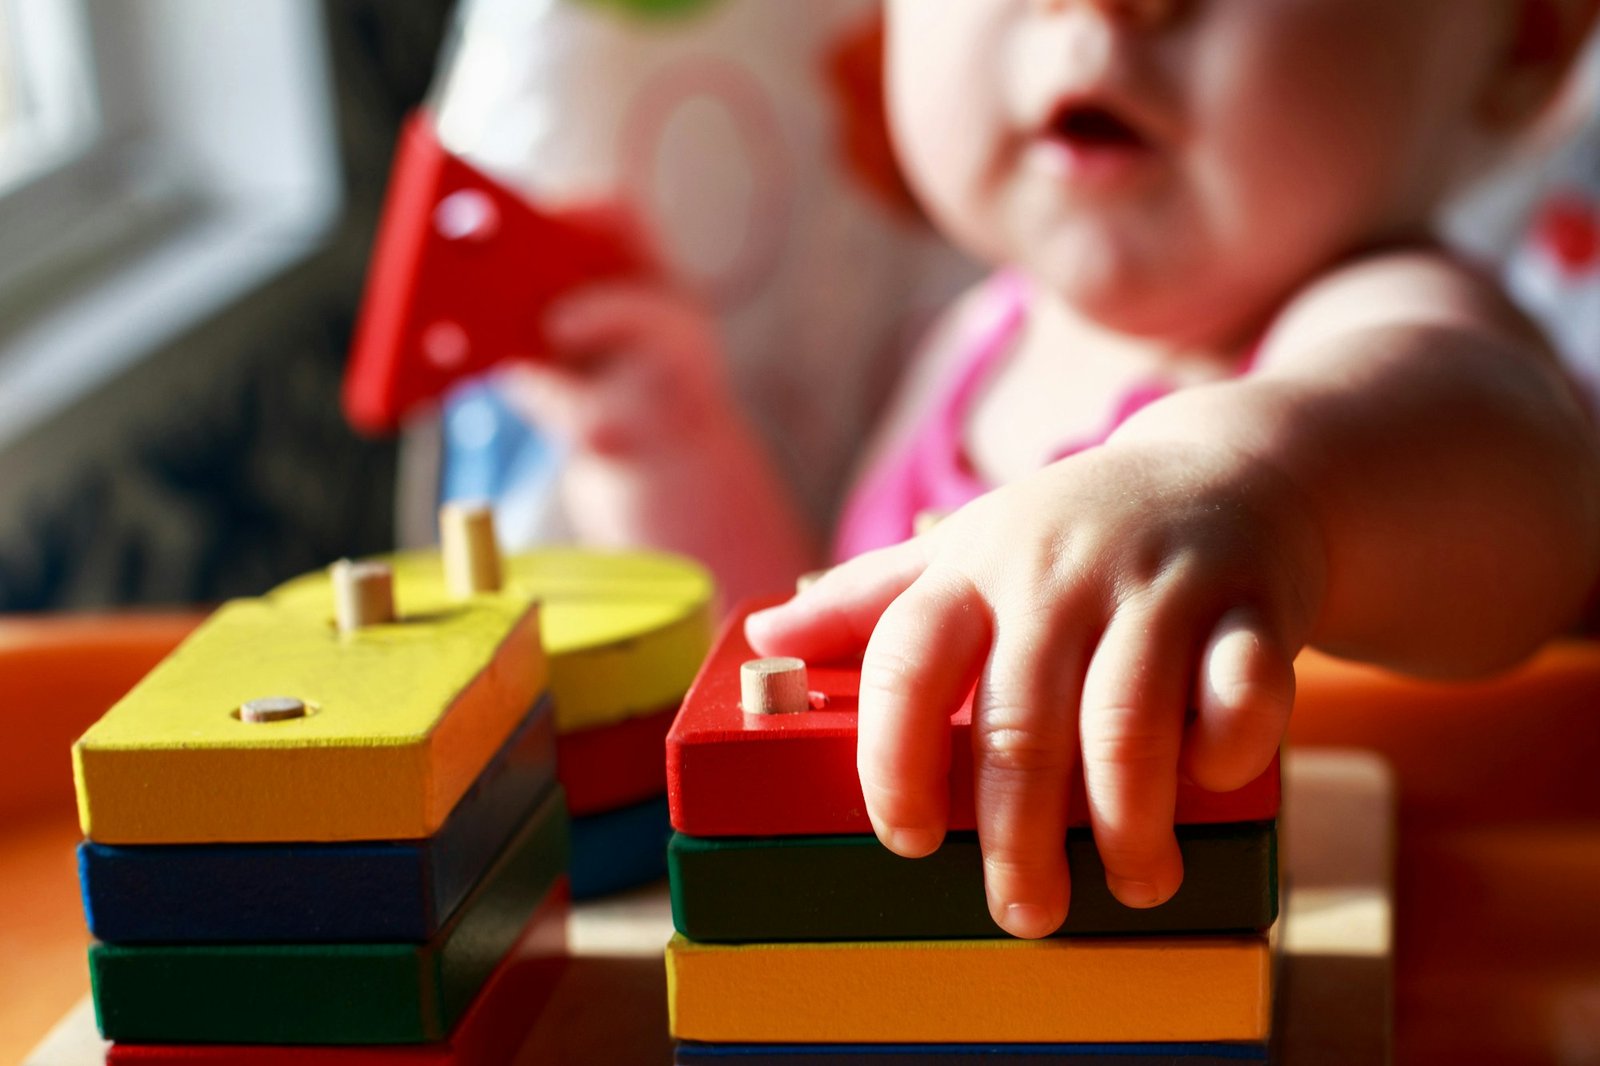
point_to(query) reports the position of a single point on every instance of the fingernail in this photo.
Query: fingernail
(1029, 920)
(912, 843)
(1136, 893)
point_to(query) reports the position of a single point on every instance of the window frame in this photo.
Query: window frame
(213, 166)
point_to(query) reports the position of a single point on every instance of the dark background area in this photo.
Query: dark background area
(221, 465)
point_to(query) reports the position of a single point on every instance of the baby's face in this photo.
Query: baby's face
(1174, 168)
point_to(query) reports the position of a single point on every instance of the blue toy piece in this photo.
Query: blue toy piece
(691, 1054)
(377, 892)
(319, 994)
(620, 849)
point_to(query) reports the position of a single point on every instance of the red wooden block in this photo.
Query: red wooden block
(462, 273)
(732, 774)
(607, 767)
(489, 1033)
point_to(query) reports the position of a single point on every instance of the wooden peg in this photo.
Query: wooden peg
(773, 686)
(363, 594)
(272, 709)
(471, 554)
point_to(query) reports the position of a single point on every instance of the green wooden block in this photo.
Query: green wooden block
(777, 889)
(332, 993)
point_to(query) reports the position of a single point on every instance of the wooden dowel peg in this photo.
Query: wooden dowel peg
(471, 554)
(363, 594)
(272, 709)
(773, 686)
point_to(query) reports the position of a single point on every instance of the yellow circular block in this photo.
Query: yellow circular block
(624, 632)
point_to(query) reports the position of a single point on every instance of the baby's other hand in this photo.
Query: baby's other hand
(634, 367)
(1139, 603)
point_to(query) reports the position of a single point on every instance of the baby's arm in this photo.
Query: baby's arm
(1405, 478)
(660, 453)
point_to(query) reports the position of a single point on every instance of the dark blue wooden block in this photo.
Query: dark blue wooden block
(620, 849)
(689, 1054)
(382, 891)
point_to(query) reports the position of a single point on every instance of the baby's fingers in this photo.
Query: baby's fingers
(604, 318)
(834, 618)
(1244, 694)
(1134, 701)
(920, 664)
(1024, 747)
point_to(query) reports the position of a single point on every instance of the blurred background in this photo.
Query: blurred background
(189, 191)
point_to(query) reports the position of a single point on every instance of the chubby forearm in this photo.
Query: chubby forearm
(714, 495)
(1451, 477)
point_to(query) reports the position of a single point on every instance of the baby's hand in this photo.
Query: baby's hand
(634, 367)
(1140, 603)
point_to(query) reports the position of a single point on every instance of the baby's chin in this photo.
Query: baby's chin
(1115, 297)
(1149, 292)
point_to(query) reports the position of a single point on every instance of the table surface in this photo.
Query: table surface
(1338, 838)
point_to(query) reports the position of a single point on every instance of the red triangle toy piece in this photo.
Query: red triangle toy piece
(462, 273)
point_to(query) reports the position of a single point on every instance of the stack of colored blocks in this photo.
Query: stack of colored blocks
(800, 938)
(624, 634)
(314, 845)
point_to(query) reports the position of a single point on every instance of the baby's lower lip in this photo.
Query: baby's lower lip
(1087, 162)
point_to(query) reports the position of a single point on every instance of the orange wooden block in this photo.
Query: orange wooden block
(1135, 990)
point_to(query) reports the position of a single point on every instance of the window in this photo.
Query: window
(46, 99)
(158, 160)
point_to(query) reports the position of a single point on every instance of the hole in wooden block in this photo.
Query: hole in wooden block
(272, 709)
(445, 344)
(773, 686)
(363, 594)
(471, 553)
(466, 214)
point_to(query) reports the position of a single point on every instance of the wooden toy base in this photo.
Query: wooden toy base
(1337, 834)
(380, 891)
(490, 1032)
(331, 993)
(852, 888)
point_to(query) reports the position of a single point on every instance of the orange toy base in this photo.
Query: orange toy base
(1145, 990)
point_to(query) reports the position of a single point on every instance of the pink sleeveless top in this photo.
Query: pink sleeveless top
(931, 471)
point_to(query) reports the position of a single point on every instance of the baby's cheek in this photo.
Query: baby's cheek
(947, 111)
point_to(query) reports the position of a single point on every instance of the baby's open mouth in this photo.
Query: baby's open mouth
(1089, 126)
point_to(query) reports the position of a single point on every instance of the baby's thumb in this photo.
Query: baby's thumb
(1243, 695)
(833, 618)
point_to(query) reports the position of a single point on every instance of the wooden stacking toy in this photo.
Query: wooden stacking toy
(799, 934)
(330, 820)
(624, 634)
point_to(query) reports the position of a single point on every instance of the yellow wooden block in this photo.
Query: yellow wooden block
(625, 632)
(1135, 990)
(403, 717)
